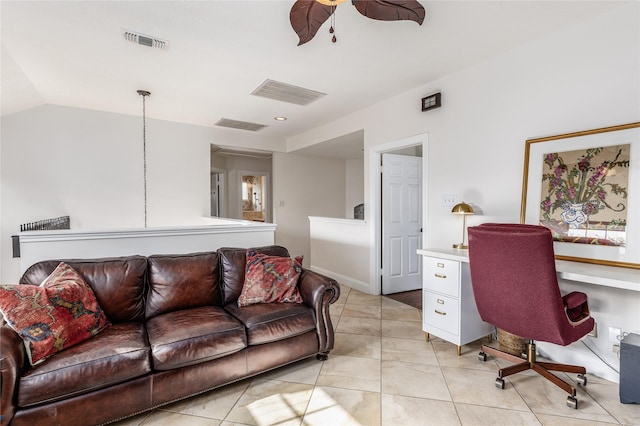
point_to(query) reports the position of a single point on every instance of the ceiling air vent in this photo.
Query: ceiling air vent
(145, 40)
(287, 93)
(242, 125)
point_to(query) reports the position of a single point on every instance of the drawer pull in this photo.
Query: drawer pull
(440, 265)
(440, 301)
(440, 276)
(439, 313)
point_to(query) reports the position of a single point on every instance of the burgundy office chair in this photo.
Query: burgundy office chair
(513, 276)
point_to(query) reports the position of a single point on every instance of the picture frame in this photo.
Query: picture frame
(602, 164)
(432, 101)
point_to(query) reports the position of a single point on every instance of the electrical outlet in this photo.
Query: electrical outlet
(614, 332)
(449, 200)
(594, 332)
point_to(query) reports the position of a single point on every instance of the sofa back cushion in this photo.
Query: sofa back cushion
(182, 281)
(118, 283)
(233, 262)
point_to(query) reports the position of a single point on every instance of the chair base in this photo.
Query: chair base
(542, 368)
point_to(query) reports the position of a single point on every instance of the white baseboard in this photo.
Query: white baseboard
(343, 279)
(576, 354)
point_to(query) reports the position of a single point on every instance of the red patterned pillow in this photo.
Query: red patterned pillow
(61, 312)
(270, 279)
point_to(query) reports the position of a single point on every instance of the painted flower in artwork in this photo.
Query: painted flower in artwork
(586, 189)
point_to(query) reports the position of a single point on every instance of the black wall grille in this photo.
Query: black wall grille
(62, 222)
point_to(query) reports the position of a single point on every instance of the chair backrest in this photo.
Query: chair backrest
(514, 281)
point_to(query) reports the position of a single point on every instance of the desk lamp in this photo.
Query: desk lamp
(463, 209)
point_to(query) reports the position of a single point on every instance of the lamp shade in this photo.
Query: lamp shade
(462, 208)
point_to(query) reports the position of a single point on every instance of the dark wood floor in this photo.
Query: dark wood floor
(413, 298)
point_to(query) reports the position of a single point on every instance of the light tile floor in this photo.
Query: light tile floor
(383, 372)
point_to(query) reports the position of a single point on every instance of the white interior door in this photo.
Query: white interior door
(401, 223)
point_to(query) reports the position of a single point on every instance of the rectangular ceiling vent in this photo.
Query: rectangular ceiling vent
(287, 93)
(145, 40)
(242, 125)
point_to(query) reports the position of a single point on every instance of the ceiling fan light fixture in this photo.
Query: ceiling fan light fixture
(307, 16)
(331, 2)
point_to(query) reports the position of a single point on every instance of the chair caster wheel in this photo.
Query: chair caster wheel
(322, 357)
(500, 383)
(482, 357)
(582, 379)
(572, 402)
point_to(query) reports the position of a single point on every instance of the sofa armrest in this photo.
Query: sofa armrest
(12, 360)
(319, 291)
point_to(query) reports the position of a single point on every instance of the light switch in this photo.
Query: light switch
(449, 200)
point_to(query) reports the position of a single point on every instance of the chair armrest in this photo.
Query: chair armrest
(576, 307)
(574, 299)
(319, 291)
(12, 360)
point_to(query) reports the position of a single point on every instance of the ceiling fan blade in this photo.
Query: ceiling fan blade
(307, 16)
(391, 10)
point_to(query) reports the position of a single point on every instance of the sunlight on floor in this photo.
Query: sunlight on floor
(285, 408)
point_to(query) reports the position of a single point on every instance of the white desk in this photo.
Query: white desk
(608, 276)
(448, 305)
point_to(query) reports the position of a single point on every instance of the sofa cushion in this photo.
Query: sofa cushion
(270, 279)
(233, 262)
(182, 281)
(192, 336)
(118, 283)
(57, 314)
(118, 354)
(270, 322)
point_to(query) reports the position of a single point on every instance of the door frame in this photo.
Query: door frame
(375, 195)
(268, 204)
(222, 195)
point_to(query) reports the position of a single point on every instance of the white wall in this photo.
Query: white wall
(87, 164)
(337, 246)
(307, 186)
(583, 77)
(354, 185)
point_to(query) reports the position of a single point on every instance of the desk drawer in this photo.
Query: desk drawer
(442, 275)
(442, 312)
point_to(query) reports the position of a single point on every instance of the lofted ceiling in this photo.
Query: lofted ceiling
(73, 53)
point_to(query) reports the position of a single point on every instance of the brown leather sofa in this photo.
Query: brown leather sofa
(176, 331)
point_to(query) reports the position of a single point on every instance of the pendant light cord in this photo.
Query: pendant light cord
(144, 95)
(333, 23)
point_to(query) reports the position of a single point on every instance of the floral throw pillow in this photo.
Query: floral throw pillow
(61, 312)
(270, 279)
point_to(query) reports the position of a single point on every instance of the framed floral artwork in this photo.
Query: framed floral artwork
(585, 187)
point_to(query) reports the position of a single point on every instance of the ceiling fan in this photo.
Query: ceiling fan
(307, 16)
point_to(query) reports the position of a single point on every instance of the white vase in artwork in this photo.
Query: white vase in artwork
(574, 215)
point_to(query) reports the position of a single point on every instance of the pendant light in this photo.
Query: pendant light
(144, 95)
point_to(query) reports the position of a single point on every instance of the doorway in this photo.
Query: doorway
(217, 193)
(410, 144)
(255, 196)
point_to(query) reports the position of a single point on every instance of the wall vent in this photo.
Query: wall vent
(287, 93)
(145, 40)
(242, 125)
